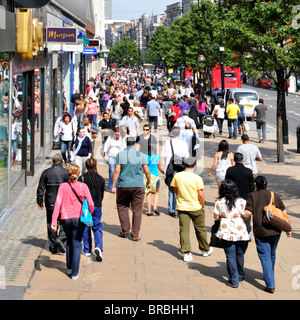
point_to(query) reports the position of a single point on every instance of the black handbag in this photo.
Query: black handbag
(173, 167)
(214, 240)
(56, 143)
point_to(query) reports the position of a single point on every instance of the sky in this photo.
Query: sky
(134, 9)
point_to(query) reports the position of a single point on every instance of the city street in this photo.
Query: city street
(151, 269)
(292, 108)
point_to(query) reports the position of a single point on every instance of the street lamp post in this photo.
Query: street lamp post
(221, 53)
(201, 58)
(222, 67)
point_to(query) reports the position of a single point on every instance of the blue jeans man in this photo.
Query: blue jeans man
(172, 202)
(233, 122)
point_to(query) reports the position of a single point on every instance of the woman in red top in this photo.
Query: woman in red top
(92, 111)
(69, 208)
(175, 109)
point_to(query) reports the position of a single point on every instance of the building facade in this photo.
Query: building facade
(36, 83)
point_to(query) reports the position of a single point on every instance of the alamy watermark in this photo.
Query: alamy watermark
(296, 19)
(296, 278)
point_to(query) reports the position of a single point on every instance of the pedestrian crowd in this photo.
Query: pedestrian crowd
(121, 106)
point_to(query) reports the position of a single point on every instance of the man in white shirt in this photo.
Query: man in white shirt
(132, 123)
(182, 121)
(189, 90)
(181, 152)
(251, 154)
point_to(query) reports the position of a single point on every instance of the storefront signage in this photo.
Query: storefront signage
(72, 47)
(61, 35)
(89, 51)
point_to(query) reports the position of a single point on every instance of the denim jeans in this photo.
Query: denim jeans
(111, 168)
(172, 200)
(266, 249)
(74, 231)
(261, 129)
(220, 124)
(233, 122)
(66, 148)
(97, 231)
(93, 119)
(235, 251)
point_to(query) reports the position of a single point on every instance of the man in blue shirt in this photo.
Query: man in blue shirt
(139, 93)
(153, 108)
(130, 164)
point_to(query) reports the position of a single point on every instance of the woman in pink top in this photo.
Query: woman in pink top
(202, 110)
(37, 111)
(92, 111)
(69, 208)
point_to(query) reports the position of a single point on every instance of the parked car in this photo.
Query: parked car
(248, 97)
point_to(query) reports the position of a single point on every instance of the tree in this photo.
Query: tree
(124, 52)
(158, 45)
(266, 41)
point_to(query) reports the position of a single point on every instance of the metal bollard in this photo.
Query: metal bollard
(298, 138)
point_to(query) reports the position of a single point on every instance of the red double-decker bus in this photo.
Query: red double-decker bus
(232, 77)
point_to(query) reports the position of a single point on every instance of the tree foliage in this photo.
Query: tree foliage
(266, 41)
(124, 52)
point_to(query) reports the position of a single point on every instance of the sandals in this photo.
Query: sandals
(136, 238)
(122, 234)
(156, 212)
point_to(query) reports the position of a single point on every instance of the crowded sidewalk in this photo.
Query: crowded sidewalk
(152, 268)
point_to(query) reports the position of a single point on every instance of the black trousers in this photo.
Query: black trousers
(153, 119)
(53, 236)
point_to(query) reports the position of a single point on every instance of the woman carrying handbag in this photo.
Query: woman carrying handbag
(69, 209)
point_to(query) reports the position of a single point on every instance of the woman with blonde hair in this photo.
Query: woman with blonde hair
(68, 206)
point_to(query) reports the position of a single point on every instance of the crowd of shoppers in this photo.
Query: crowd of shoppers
(127, 101)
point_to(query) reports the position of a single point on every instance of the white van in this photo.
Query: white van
(248, 97)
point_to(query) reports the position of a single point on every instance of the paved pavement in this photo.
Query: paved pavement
(151, 269)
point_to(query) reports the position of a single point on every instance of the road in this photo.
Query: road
(292, 107)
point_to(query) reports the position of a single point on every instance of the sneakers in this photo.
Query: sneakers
(208, 253)
(75, 277)
(87, 254)
(187, 257)
(98, 254)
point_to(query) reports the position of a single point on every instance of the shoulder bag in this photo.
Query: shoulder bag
(276, 217)
(214, 240)
(85, 215)
(173, 167)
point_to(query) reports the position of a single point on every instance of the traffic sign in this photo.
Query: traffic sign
(89, 51)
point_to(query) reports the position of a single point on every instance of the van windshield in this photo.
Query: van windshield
(246, 96)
